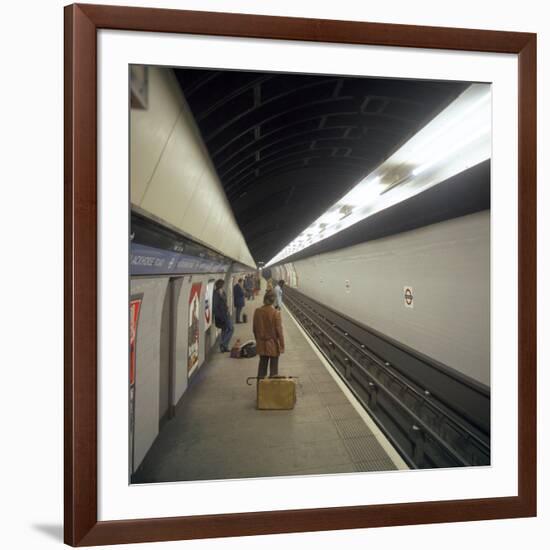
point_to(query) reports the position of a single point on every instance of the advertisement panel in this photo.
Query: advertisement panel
(293, 279)
(135, 306)
(193, 327)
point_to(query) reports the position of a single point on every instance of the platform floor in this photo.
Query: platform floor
(217, 433)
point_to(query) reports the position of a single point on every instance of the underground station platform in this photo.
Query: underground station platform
(217, 432)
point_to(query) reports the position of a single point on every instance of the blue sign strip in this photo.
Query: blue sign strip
(146, 260)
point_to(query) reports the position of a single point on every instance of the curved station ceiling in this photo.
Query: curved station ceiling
(287, 146)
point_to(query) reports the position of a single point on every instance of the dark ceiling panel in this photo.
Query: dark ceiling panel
(287, 146)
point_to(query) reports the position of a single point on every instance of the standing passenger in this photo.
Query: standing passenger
(268, 332)
(279, 294)
(238, 300)
(222, 319)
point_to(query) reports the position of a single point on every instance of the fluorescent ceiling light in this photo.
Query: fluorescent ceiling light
(481, 135)
(456, 139)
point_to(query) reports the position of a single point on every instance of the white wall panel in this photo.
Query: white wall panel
(174, 183)
(447, 265)
(172, 176)
(212, 231)
(147, 363)
(151, 130)
(199, 215)
(181, 336)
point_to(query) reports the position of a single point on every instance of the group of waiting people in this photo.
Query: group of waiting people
(266, 326)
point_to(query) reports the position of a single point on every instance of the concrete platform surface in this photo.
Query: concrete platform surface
(217, 432)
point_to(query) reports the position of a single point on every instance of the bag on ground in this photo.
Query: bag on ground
(248, 349)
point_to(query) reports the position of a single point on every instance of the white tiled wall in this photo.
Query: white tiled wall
(147, 363)
(448, 266)
(171, 173)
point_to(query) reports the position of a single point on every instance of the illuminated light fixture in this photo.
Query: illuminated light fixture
(482, 133)
(457, 138)
(482, 101)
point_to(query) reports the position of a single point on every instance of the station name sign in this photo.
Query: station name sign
(147, 260)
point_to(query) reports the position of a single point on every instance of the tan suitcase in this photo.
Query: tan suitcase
(276, 393)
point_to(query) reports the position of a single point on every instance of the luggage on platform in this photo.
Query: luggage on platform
(248, 349)
(275, 393)
(245, 318)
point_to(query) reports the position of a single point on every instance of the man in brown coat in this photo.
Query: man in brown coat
(268, 332)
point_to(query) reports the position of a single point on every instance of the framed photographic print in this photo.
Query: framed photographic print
(300, 274)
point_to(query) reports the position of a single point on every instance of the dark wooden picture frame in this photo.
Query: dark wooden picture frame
(82, 22)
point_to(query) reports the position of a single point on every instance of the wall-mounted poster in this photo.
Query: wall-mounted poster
(135, 306)
(193, 327)
(208, 304)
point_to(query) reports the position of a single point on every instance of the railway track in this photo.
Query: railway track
(434, 417)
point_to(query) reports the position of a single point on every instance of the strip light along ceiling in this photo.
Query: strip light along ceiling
(456, 139)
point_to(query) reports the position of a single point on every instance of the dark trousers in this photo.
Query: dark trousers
(238, 313)
(227, 332)
(273, 366)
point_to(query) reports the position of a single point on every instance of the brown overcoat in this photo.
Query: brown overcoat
(268, 331)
